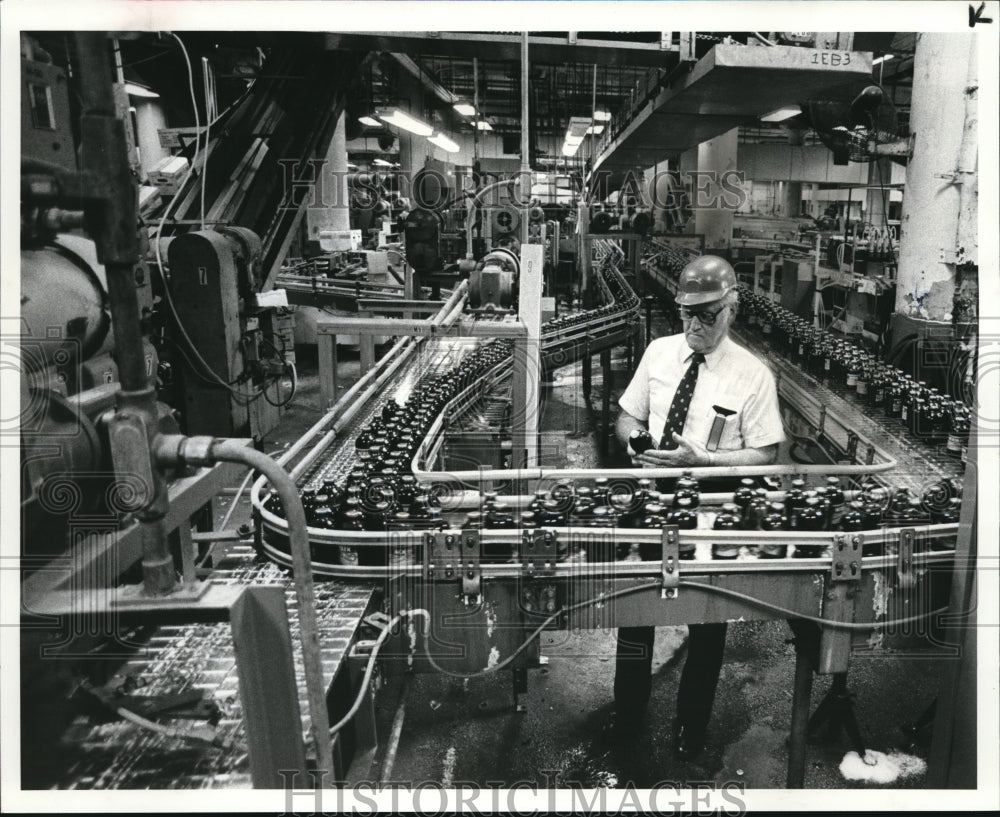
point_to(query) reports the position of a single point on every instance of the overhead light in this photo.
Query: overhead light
(883, 58)
(444, 142)
(596, 130)
(135, 89)
(382, 163)
(482, 124)
(602, 116)
(464, 108)
(351, 164)
(370, 121)
(401, 119)
(573, 140)
(570, 150)
(578, 125)
(782, 114)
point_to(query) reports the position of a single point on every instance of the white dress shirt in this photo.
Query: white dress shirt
(731, 377)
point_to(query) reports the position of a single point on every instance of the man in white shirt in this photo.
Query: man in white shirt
(683, 385)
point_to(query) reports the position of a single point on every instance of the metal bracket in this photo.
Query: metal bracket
(670, 570)
(538, 551)
(134, 595)
(953, 257)
(687, 46)
(362, 648)
(905, 576)
(131, 458)
(847, 552)
(449, 554)
(852, 446)
(955, 176)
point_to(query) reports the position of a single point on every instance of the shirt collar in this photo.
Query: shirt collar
(713, 358)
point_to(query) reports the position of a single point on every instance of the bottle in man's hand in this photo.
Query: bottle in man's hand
(638, 441)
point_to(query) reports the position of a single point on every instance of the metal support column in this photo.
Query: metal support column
(268, 691)
(326, 346)
(527, 358)
(800, 720)
(606, 386)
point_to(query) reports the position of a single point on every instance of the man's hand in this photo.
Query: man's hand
(687, 453)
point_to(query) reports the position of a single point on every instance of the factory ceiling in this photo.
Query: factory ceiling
(571, 74)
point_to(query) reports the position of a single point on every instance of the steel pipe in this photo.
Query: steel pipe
(223, 450)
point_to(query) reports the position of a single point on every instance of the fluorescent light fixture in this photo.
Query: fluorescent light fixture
(883, 58)
(569, 150)
(602, 116)
(782, 114)
(578, 125)
(403, 120)
(444, 143)
(596, 130)
(351, 164)
(482, 124)
(464, 108)
(135, 89)
(382, 163)
(370, 121)
(573, 140)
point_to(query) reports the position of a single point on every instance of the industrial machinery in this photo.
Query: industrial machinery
(410, 527)
(600, 548)
(109, 485)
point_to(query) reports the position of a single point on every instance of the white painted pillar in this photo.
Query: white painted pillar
(715, 221)
(814, 200)
(792, 204)
(877, 205)
(328, 211)
(940, 202)
(331, 211)
(149, 120)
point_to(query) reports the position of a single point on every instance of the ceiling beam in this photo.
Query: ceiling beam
(507, 47)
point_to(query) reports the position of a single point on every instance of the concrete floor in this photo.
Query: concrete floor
(458, 731)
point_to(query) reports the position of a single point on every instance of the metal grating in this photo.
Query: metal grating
(121, 755)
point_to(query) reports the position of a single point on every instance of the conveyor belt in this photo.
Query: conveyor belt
(435, 356)
(121, 755)
(919, 464)
(438, 355)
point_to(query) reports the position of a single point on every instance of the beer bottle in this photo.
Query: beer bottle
(687, 486)
(728, 519)
(744, 494)
(756, 510)
(654, 517)
(810, 519)
(958, 432)
(794, 501)
(686, 518)
(774, 520)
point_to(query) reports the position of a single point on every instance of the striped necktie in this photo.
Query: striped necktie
(681, 403)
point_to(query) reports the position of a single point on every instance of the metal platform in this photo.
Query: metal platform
(122, 755)
(731, 85)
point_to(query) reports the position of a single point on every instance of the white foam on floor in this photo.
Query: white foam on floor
(448, 772)
(884, 768)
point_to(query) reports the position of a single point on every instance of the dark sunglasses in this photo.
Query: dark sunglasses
(704, 316)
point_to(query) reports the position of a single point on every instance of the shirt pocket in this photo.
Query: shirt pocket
(732, 437)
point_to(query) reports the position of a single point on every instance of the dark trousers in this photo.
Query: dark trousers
(633, 679)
